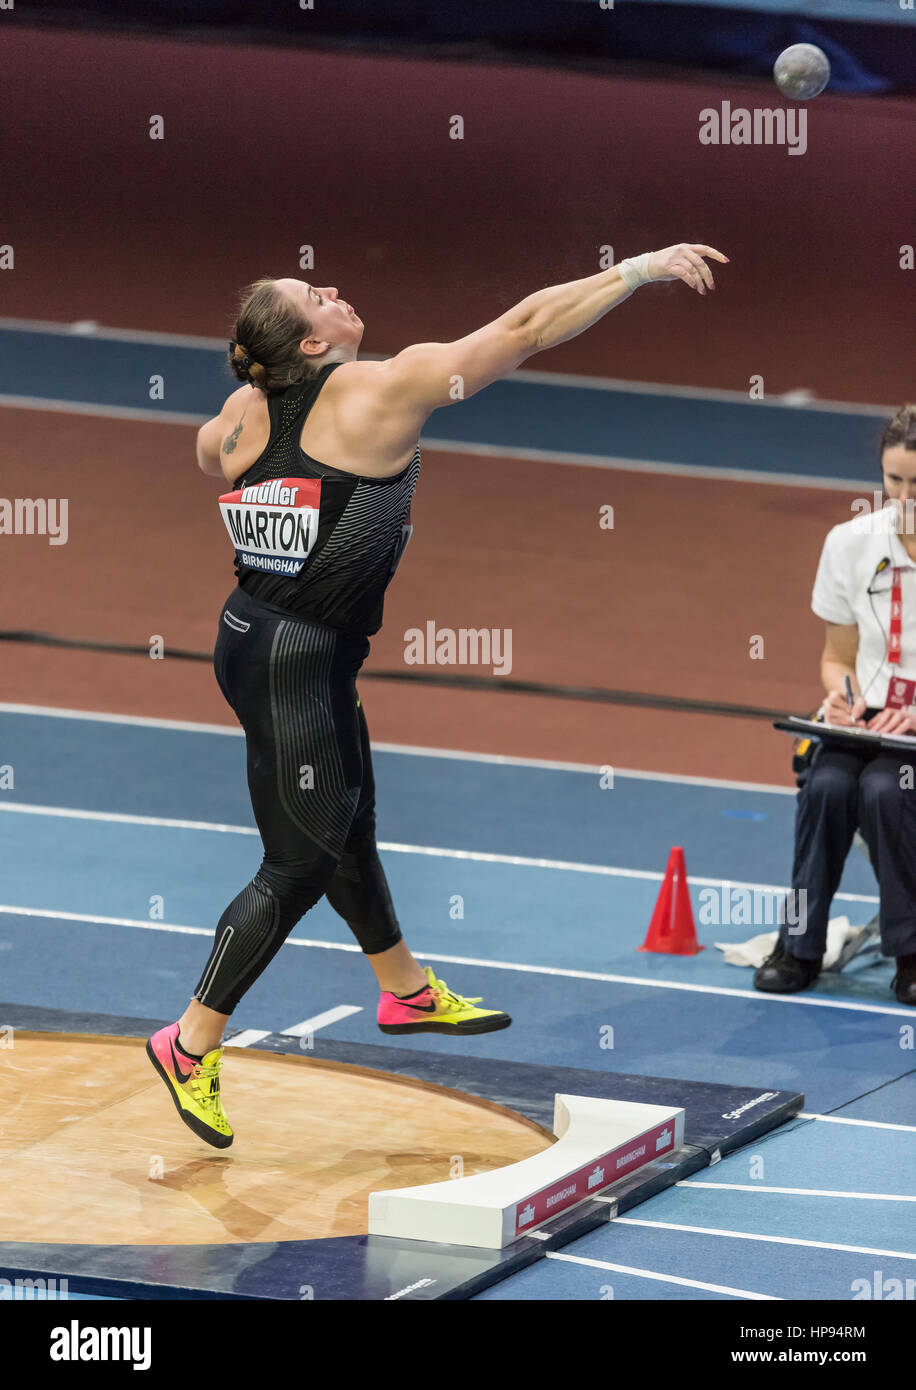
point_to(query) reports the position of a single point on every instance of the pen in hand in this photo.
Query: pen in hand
(850, 702)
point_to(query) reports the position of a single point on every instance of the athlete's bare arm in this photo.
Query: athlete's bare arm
(390, 402)
(240, 424)
(371, 413)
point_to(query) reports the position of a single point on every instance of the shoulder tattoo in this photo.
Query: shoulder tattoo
(232, 439)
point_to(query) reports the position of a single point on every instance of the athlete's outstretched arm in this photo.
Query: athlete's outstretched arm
(429, 375)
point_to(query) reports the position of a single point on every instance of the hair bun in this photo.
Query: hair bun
(239, 354)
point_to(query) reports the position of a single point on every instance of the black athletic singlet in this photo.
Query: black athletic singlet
(353, 535)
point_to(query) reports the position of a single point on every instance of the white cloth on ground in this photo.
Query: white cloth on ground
(755, 951)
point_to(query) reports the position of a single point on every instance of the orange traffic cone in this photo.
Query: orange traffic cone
(672, 931)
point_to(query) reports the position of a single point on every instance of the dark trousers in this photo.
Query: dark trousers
(841, 791)
(292, 685)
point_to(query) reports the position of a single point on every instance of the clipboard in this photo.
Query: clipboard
(845, 736)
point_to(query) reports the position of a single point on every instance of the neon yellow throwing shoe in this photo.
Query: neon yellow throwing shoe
(436, 1009)
(193, 1086)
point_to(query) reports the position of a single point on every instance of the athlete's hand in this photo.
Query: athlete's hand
(837, 711)
(685, 262)
(894, 721)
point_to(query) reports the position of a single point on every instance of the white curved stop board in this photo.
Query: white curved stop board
(599, 1142)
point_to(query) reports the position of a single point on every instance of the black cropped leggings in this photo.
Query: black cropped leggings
(292, 685)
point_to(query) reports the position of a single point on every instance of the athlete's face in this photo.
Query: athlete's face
(335, 323)
(899, 467)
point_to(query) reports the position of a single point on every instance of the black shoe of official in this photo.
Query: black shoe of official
(782, 973)
(904, 982)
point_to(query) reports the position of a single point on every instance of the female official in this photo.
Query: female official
(320, 452)
(865, 591)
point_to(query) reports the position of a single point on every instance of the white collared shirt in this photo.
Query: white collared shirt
(848, 569)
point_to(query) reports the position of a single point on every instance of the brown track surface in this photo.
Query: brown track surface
(665, 603)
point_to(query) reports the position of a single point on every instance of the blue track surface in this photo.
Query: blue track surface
(561, 418)
(553, 944)
(62, 873)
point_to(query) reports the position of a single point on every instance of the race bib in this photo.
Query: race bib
(273, 525)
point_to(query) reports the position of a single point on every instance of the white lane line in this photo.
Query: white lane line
(639, 980)
(842, 1120)
(80, 329)
(311, 1025)
(92, 329)
(798, 1191)
(711, 393)
(140, 720)
(570, 866)
(517, 453)
(407, 749)
(104, 412)
(662, 1278)
(625, 773)
(514, 966)
(250, 1036)
(105, 921)
(122, 818)
(247, 1038)
(769, 1240)
(430, 851)
(854, 486)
